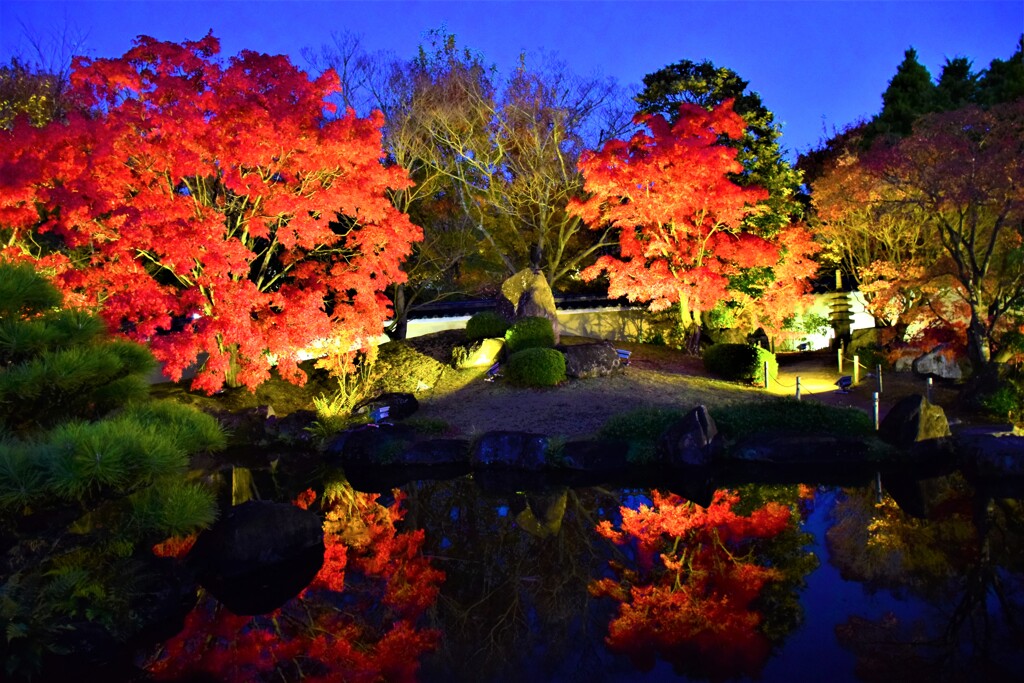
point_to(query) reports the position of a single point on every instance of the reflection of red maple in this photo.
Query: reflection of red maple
(355, 622)
(694, 607)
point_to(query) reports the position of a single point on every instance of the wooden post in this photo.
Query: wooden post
(928, 395)
(766, 375)
(840, 355)
(875, 408)
(856, 369)
(878, 374)
(798, 387)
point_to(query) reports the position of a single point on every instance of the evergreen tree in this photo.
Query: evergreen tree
(1003, 81)
(957, 86)
(910, 95)
(91, 475)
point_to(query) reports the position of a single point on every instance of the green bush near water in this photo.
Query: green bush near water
(641, 429)
(789, 415)
(740, 362)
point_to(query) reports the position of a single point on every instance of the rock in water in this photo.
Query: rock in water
(912, 421)
(692, 441)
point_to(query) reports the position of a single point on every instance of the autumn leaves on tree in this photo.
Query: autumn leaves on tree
(680, 219)
(212, 210)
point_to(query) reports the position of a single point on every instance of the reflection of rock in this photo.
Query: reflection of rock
(692, 441)
(517, 450)
(590, 360)
(936, 364)
(790, 449)
(542, 516)
(913, 420)
(481, 354)
(526, 294)
(259, 555)
(400, 405)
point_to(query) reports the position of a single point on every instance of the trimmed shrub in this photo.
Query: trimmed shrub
(740, 362)
(535, 367)
(528, 333)
(641, 429)
(486, 325)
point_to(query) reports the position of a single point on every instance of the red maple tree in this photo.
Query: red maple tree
(679, 215)
(218, 211)
(689, 598)
(357, 621)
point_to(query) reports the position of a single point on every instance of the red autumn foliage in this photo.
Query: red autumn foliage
(356, 621)
(690, 597)
(210, 208)
(679, 215)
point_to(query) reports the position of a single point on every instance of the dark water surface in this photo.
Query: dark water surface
(769, 583)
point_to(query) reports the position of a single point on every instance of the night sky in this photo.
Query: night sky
(817, 65)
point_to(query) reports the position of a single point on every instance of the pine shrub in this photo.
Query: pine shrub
(535, 367)
(528, 333)
(740, 362)
(486, 325)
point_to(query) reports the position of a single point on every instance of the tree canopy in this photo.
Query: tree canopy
(218, 211)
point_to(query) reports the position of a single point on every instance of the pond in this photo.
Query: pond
(459, 580)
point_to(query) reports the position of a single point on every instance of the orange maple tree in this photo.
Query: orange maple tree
(220, 211)
(679, 216)
(690, 595)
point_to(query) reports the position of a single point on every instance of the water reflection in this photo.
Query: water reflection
(965, 564)
(448, 581)
(359, 620)
(691, 590)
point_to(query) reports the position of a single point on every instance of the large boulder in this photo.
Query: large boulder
(913, 420)
(259, 555)
(692, 441)
(383, 444)
(936, 364)
(516, 450)
(528, 294)
(590, 360)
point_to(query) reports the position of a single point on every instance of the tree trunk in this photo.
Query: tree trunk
(979, 354)
(400, 325)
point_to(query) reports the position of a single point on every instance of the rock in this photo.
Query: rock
(400, 405)
(595, 456)
(292, 428)
(437, 452)
(526, 294)
(481, 354)
(936, 364)
(913, 420)
(692, 441)
(590, 360)
(793, 449)
(518, 450)
(992, 456)
(383, 444)
(543, 513)
(865, 337)
(259, 555)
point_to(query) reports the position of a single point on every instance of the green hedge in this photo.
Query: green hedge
(535, 367)
(740, 362)
(486, 325)
(528, 333)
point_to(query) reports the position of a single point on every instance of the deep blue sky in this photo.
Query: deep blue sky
(816, 64)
